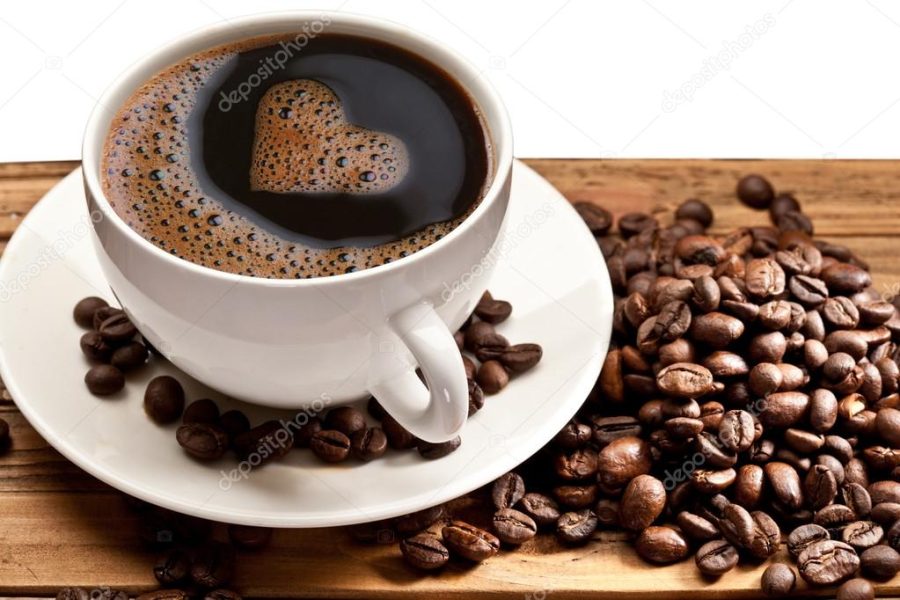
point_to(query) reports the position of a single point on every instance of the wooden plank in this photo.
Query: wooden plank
(59, 526)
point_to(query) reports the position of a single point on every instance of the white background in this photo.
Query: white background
(639, 78)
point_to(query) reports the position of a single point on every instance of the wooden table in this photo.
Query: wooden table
(59, 526)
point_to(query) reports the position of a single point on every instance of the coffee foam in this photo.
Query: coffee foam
(148, 180)
(304, 143)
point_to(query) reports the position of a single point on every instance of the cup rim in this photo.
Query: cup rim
(499, 132)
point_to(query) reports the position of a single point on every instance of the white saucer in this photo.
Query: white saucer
(550, 269)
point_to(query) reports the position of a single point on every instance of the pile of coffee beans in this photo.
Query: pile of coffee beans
(110, 345)
(749, 400)
(207, 434)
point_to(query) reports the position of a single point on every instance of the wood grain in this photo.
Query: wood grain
(59, 526)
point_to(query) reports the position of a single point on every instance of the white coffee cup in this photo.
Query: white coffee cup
(295, 343)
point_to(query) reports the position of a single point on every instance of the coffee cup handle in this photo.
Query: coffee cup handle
(435, 413)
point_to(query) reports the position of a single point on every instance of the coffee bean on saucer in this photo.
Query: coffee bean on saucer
(85, 309)
(398, 437)
(95, 347)
(202, 440)
(103, 380)
(346, 419)
(249, 537)
(213, 565)
(425, 552)
(202, 411)
(103, 313)
(173, 568)
(368, 444)
(492, 311)
(481, 335)
(513, 527)
(519, 358)
(164, 399)
(330, 445)
(233, 423)
(117, 328)
(307, 430)
(492, 377)
(778, 580)
(267, 442)
(755, 191)
(433, 451)
(130, 356)
(374, 408)
(598, 219)
(476, 397)
(470, 542)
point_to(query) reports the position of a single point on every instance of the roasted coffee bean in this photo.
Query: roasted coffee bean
(856, 589)
(213, 565)
(785, 483)
(862, 534)
(737, 430)
(784, 409)
(117, 328)
(845, 278)
(492, 377)
(886, 513)
(164, 399)
(130, 356)
(765, 278)
(492, 311)
(804, 536)
(724, 364)
(622, 460)
(425, 552)
(519, 358)
(748, 486)
(476, 396)
(173, 568)
(880, 563)
(857, 499)
(482, 335)
(598, 219)
(778, 580)
(642, 502)
(708, 481)
(507, 490)
(887, 422)
(684, 428)
(578, 465)
(470, 542)
(685, 380)
(368, 444)
(574, 435)
(848, 341)
(249, 537)
(696, 527)
(103, 313)
(631, 224)
(542, 509)
(330, 445)
(398, 437)
(820, 486)
(827, 562)
(85, 309)
(766, 536)
(234, 423)
(673, 408)
(202, 440)
(716, 329)
(201, 411)
(435, 450)
(755, 191)
(576, 496)
(103, 380)
(346, 419)
(673, 321)
(576, 527)
(267, 442)
(884, 491)
(774, 315)
(794, 221)
(513, 527)
(420, 520)
(767, 347)
(716, 558)
(834, 516)
(840, 313)
(811, 292)
(695, 209)
(661, 545)
(95, 347)
(823, 410)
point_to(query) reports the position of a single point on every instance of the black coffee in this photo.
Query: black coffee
(273, 159)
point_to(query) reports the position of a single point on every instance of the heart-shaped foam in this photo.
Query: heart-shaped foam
(303, 143)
